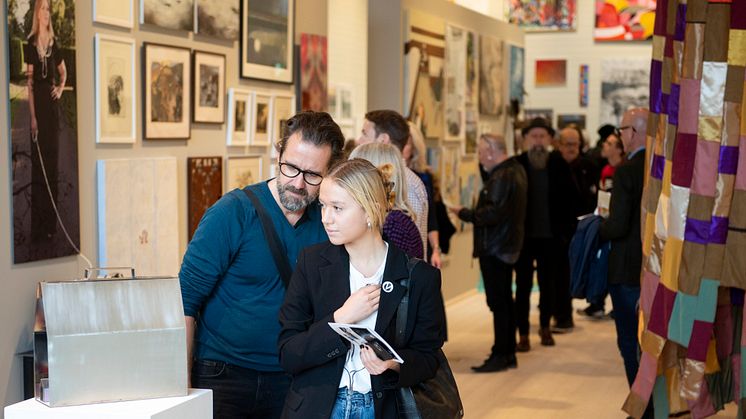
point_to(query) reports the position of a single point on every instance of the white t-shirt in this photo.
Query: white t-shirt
(355, 376)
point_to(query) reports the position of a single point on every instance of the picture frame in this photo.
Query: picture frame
(115, 89)
(114, 12)
(209, 87)
(241, 171)
(261, 124)
(167, 82)
(204, 188)
(217, 19)
(239, 106)
(174, 15)
(283, 108)
(267, 20)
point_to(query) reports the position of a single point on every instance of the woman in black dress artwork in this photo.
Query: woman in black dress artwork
(46, 82)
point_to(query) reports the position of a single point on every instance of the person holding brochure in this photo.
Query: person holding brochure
(354, 279)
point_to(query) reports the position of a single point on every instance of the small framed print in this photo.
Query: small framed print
(267, 39)
(242, 171)
(239, 105)
(174, 15)
(260, 119)
(114, 12)
(167, 82)
(115, 89)
(283, 108)
(209, 87)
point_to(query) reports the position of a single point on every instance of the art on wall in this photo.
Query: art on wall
(260, 119)
(217, 18)
(204, 187)
(529, 114)
(167, 78)
(424, 53)
(209, 87)
(626, 20)
(241, 171)
(517, 71)
(624, 85)
(551, 73)
(239, 105)
(176, 15)
(137, 203)
(455, 83)
(563, 120)
(491, 76)
(115, 89)
(283, 108)
(450, 158)
(542, 15)
(472, 92)
(583, 86)
(339, 100)
(114, 12)
(267, 39)
(37, 233)
(313, 72)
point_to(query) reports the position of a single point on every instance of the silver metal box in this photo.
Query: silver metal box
(106, 340)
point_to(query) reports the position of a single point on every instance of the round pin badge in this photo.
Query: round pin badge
(387, 286)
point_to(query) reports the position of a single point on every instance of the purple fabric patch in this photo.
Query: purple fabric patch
(718, 230)
(673, 105)
(701, 332)
(664, 103)
(737, 18)
(683, 159)
(660, 314)
(656, 68)
(680, 23)
(659, 163)
(697, 231)
(728, 160)
(736, 296)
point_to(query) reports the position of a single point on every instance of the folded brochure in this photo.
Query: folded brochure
(361, 335)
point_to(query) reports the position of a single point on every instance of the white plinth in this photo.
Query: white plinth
(196, 405)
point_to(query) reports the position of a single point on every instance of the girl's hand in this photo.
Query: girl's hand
(374, 364)
(34, 127)
(361, 304)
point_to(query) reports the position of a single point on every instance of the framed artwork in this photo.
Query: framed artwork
(624, 21)
(239, 105)
(313, 72)
(260, 119)
(471, 115)
(115, 89)
(209, 87)
(491, 76)
(583, 86)
(529, 114)
(517, 70)
(550, 73)
(217, 18)
(114, 12)
(241, 171)
(624, 85)
(167, 81)
(176, 15)
(205, 187)
(542, 15)
(450, 187)
(267, 39)
(340, 103)
(283, 108)
(455, 78)
(564, 120)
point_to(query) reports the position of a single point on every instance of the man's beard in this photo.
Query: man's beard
(537, 157)
(293, 203)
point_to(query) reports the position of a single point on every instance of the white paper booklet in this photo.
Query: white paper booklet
(361, 335)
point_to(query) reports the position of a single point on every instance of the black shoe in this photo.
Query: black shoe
(563, 327)
(496, 363)
(593, 311)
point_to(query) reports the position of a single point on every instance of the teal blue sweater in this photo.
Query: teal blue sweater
(230, 283)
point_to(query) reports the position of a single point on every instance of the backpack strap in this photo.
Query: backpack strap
(273, 240)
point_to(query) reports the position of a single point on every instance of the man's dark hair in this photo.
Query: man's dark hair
(391, 123)
(317, 128)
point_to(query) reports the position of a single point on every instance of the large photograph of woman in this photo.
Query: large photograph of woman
(43, 129)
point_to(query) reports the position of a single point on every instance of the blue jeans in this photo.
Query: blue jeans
(353, 405)
(624, 298)
(241, 392)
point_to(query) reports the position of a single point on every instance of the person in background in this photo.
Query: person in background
(596, 153)
(585, 173)
(354, 279)
(498, 219)
(399, 228)
(230, 284)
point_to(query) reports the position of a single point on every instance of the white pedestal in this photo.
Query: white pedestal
(196, 405)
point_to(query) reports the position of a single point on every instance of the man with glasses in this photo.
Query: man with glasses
(230, 284)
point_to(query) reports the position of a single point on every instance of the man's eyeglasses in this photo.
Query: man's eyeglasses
(291, 171)
(619, 130)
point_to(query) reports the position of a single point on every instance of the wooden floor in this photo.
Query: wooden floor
(581, 377)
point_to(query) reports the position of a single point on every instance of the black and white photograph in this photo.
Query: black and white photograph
(267, 39)
(217, 18)
(283, 108)
(167, 78)
(209, 89)
(115, 89)
(260, 118)
(624, 85)
(169, 14)
(114, 12)
(491, 76)
(360, 335)
(239, 105)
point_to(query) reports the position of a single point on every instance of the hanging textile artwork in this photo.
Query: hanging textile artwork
(694, 213)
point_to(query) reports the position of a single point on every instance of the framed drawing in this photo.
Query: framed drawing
(260, 118)
(283, 108)
(267, 38)
(176, 15)
(209, 87)
(242, 171)
(239, 104)
(217, 18)
(114, 12)
(205, 187)
(550, 73)
(115, 89)
(167, 81)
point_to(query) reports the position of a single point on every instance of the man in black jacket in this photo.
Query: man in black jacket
(498, 237)
(622, 228)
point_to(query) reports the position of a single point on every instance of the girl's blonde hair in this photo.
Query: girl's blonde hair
(35, 27)
(381, 154)
(367, 185)
(418, 161)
